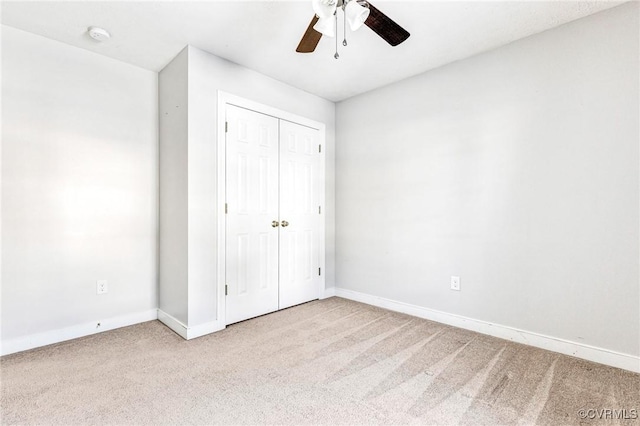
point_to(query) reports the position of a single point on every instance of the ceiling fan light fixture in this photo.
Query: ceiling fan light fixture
(356, 14)
(326, 26)
(324, 8)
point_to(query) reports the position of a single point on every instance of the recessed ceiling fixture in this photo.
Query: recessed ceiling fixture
(356, 13)
(98, 34)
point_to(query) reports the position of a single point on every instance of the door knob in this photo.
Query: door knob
(285, 223)
(274, 223)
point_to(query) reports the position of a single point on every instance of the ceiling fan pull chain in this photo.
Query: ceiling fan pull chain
(344, 29)
(336, 55)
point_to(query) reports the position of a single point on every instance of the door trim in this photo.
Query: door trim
(225, 99)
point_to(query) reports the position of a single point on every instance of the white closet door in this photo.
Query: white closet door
(299, 203)
(252, 205)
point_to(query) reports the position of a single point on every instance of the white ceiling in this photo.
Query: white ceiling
(263, 35)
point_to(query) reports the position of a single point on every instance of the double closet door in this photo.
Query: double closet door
(273, 219)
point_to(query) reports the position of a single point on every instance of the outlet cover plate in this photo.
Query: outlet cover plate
(455, 283)
(102, 287)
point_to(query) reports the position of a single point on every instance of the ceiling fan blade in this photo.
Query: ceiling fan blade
(385, 27)
(310, 38)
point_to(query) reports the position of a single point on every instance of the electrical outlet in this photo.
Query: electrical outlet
(102, 287)
(455, 283)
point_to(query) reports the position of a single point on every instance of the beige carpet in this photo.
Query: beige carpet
(331, 362)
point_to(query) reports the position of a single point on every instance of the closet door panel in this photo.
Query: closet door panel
(252, 151)
(299, 202)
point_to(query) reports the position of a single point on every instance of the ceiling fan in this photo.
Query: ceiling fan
(356, 13)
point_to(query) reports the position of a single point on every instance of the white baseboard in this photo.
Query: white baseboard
(185, 332)
(328, 292)
(178, 326)
(37, 340)
(579, 350)
(204, 329)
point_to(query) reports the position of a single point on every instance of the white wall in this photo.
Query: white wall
(516, 169)
(79, 187)
(206, 75)
(173, 254)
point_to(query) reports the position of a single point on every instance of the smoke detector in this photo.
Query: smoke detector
(98, 34)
